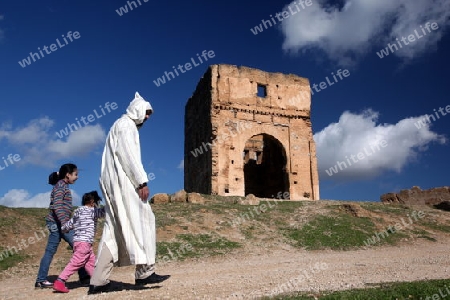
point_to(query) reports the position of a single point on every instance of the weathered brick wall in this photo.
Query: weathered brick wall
(236, 114)
(198, 133)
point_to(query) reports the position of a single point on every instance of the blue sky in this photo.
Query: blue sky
(112, 55)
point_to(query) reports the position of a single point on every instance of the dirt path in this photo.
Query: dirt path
(246, 276)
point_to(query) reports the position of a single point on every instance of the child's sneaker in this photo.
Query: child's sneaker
(60, 286)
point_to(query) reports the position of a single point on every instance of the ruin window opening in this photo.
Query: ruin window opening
(258, 157)
(262, 91)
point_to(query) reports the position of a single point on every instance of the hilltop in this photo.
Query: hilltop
(222, 249)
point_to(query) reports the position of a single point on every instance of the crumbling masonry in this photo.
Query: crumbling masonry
(249, 132)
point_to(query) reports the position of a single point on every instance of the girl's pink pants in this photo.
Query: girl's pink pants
(83, 256)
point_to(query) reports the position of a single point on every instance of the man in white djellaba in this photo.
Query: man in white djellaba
(129, 233)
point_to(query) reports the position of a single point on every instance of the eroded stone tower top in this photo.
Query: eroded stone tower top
(255, 88)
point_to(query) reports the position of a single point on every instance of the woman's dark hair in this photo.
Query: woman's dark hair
(89, 196)
(65, 169)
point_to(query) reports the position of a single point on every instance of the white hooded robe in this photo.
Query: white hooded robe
(129, 231)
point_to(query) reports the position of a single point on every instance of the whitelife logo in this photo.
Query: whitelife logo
(124, 9)
(53, 47)
(11, 159)
(90, 118)
(411, 38)
(281, 16)
(356, 158)
(187, 66)
(424, 122)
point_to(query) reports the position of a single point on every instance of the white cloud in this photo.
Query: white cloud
(346, 34)
(79, 142)
(22, 198)
(38, 145)
(181, 165)
(36, 130)
(391, 146)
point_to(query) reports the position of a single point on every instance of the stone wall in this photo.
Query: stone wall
(415, 195)
(198, 133)
(227, 112)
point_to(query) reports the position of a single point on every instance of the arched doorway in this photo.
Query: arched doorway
(265, 167)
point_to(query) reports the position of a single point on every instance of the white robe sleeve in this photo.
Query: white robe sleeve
(128, 152)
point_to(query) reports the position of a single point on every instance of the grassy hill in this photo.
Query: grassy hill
(222, 226)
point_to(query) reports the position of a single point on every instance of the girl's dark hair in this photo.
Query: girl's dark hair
(65, 169)
(89, 196)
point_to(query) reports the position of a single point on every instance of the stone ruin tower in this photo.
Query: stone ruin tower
(249, 132)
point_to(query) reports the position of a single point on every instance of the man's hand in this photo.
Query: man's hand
(143, 193)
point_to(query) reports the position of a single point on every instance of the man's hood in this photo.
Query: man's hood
(137, 108)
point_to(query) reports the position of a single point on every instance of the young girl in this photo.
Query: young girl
(84, 221)
(59, 212)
